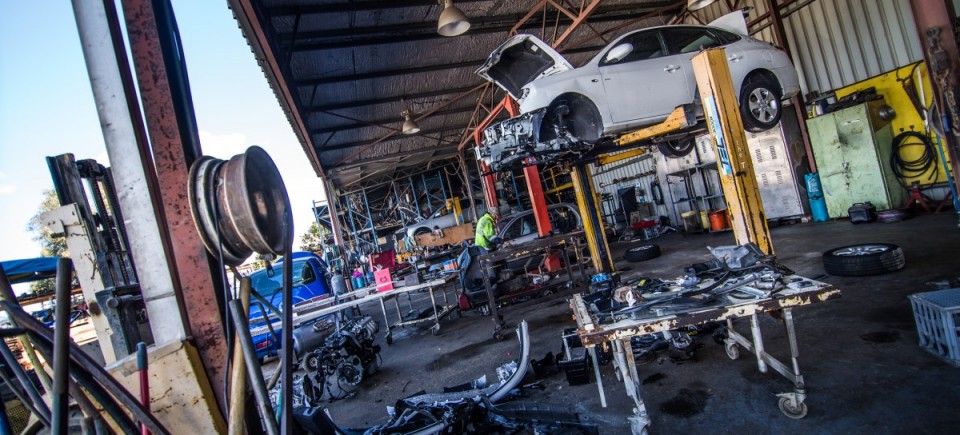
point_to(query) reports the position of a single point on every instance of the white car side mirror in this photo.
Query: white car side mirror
(617, 53)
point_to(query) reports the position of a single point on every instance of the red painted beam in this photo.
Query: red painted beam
(173, 154)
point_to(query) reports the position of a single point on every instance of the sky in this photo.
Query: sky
(47, 108)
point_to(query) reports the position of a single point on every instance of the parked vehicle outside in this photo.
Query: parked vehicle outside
(639, 78)
(310, 284)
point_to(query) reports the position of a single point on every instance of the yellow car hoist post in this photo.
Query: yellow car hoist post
(737, 177)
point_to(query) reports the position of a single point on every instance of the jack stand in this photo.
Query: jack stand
(916, 197)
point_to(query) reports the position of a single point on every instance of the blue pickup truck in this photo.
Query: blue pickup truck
(310, 284)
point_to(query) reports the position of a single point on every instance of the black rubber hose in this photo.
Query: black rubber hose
(927, 160)
(83, 379)
(81, 359)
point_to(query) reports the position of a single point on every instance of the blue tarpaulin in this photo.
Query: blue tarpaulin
(30, 269)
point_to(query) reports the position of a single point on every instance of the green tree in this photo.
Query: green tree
(314, 238)
(50, 245)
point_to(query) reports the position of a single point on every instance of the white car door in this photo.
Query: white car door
(645, 83)
(685, 42)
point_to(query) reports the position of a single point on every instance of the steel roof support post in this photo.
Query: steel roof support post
(413, 195)
(373, 227)
(171, 125)
(462, 154)
(776, 18)
(943, 64)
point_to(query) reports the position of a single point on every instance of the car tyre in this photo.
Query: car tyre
(760, 105)
(864, 259)
(677, 148)
(642, 253)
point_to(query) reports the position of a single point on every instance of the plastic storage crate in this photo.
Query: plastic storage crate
(938, 316)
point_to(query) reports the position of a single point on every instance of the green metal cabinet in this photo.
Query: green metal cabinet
(852, 149)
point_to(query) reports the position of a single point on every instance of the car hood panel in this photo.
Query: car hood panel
(521, 60)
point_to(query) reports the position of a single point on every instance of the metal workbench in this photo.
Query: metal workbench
(318, 309)
(799, 292)
(543, 246)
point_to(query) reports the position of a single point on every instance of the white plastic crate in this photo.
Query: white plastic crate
(937, 315)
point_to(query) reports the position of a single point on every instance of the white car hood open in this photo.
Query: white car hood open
(733, 22)
(521, 60)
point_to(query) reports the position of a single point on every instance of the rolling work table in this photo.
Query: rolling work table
(543, 246)
(798, 292)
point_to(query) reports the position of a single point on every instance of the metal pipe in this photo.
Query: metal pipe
(6, 294)
(132, 165)
(61, 337)
(20, 394)
(144, 382)
(85, 362)
(286, 347)
(43, 411)
(84, 378)
(238, 384)
(253, 372)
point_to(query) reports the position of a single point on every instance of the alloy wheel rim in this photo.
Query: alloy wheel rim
(763, 105)
(858, 250)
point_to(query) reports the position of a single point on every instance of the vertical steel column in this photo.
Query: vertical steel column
(943, 66)
(590, 217)
(737, 176)
(373, 225)
(413, 194)
(776, 18)
(132, 165)
(516, 190)
(335, 223)
(165, 94)
(489, 184)
(469, 186)
(531, 175)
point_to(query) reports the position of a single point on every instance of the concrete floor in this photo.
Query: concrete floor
(858, 354)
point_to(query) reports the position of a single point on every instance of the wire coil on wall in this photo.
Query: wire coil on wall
(240, 206)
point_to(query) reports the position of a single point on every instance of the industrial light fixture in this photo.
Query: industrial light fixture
(696, 5)
(452, 20)
(409, 125)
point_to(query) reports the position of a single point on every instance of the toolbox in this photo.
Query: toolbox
(862, 212)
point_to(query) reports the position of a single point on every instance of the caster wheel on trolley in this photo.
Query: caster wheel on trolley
(788, 408)
(389, 339)
(733, 350)
(435, 330)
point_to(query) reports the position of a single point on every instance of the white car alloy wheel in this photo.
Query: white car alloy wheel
(764, 105)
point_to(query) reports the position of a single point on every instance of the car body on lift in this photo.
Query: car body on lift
(310, 284)
(637, 80)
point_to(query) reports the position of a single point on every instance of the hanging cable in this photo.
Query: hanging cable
(926, 162)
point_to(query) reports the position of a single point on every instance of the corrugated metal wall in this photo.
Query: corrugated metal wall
(836, 43)
(610, 178)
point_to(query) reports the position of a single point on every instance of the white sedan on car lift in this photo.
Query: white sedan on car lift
(640, 78)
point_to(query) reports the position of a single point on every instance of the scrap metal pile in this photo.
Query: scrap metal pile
(472, 408)
(347, 357)
(739, 272)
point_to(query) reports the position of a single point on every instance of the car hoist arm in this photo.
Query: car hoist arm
(682, 117)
